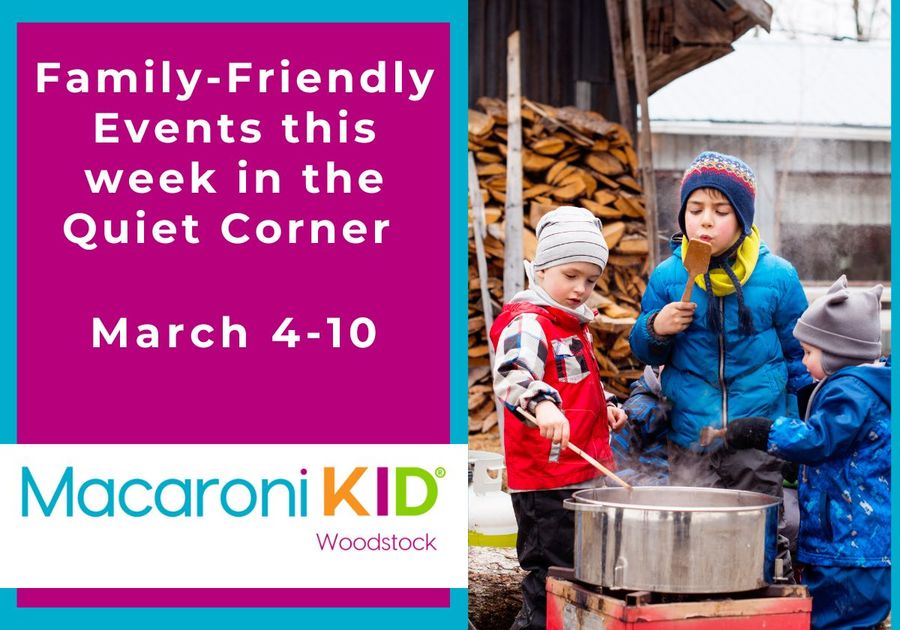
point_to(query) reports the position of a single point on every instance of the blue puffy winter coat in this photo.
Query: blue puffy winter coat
(639, 447)
(845, 483)
(709, 377)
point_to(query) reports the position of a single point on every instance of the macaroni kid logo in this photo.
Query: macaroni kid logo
(381, 491)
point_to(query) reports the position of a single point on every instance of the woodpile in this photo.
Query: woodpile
(569, 157)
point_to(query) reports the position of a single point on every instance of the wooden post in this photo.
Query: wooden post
(513, 272)
(648, 181)
(480, 229)
(614, 18)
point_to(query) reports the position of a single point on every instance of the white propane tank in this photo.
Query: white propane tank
(492, 521)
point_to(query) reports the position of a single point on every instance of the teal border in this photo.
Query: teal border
(13, 618)
(453, 11)
(895, 269)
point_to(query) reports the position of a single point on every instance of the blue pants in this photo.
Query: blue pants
(846, 598)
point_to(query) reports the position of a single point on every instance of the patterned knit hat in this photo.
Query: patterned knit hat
(728, 175)
(567, 235)
(845, 326)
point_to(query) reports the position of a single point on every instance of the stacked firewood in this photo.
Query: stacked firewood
(569, 157)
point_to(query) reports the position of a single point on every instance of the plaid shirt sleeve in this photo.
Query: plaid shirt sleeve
(519, 365)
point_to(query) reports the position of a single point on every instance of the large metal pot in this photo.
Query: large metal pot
(675, 540)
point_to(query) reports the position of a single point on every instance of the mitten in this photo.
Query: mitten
(750, 432)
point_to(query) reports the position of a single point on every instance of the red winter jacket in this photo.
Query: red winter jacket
(571, 369)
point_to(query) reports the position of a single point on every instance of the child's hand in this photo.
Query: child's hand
(674, 317)
(552, 423)
(617, 418)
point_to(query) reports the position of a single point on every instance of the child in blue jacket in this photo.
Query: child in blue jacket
(844, 446)
(728, 353)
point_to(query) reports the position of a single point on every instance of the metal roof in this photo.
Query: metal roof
(784, 85)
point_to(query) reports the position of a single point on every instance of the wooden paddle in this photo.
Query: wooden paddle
(708, 434)
(696, 261)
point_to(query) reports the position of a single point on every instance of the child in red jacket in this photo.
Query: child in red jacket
(545, 365)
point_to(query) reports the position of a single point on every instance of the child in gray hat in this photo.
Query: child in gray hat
(844, 445)
(545, 365)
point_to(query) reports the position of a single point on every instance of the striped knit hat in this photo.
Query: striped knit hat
(568, 235)
(728, 175)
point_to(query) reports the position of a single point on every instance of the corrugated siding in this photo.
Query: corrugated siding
(771, 157)
(562, 42)
(836, 199)
(801, 155)
(834, 195)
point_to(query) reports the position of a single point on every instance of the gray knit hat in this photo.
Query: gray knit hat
(568, 235)
(845, 326)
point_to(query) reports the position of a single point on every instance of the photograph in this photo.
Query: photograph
(679, 314)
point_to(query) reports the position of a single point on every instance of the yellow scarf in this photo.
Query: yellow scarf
(743, 266)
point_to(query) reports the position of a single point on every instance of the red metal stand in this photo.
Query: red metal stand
(575, 606)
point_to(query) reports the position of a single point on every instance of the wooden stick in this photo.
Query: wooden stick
(614, 18)
(513, 272)
(480, 230)
(639, 60)
(593, 462)
(606, 471)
